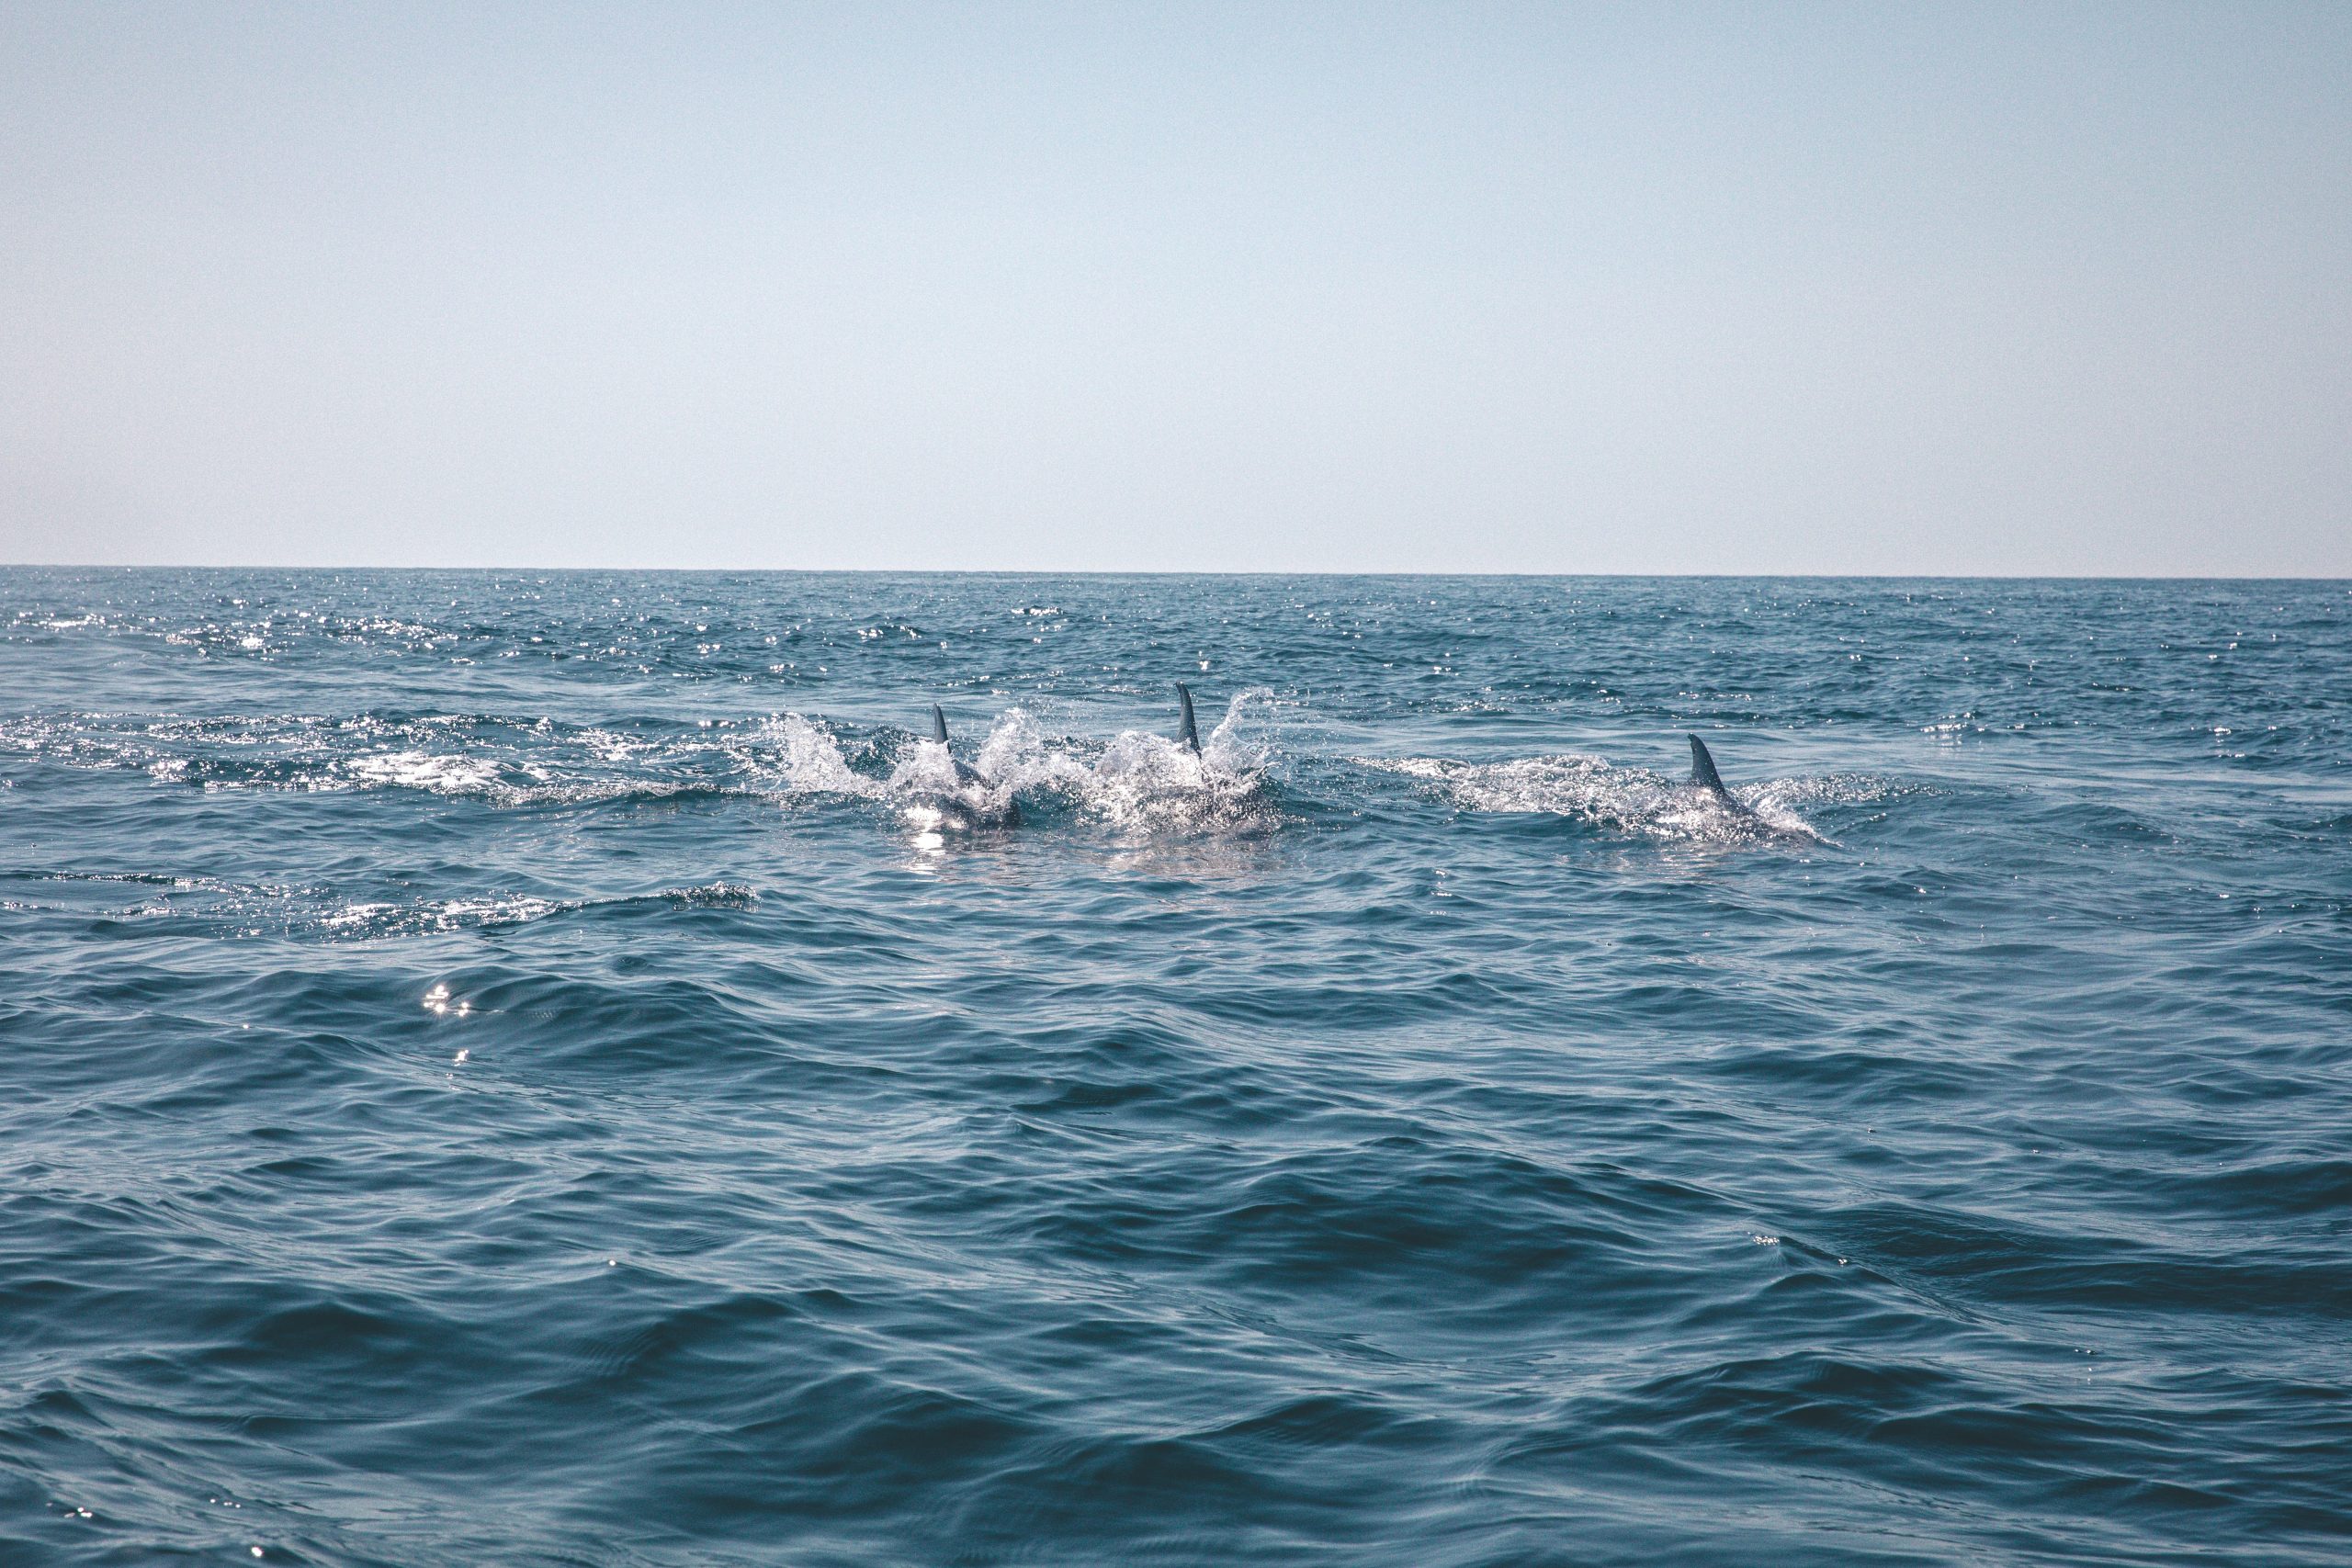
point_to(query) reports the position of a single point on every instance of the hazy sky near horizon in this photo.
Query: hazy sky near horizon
(1555, 288)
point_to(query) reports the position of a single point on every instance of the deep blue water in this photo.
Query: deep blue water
(505, 1068)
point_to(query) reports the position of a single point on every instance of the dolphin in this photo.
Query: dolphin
(1704, 776)
(968, 805)
(1188, 734)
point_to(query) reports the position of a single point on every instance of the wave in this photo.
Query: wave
(256, 909)
(387, 918)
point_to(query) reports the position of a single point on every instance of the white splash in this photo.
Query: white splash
(802, 757)
(1137, 782)
(1633, 800)
(441, 774)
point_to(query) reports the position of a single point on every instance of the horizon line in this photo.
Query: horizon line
(1180, 572)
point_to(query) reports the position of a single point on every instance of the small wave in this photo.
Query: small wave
(368, 920)
(135, 878)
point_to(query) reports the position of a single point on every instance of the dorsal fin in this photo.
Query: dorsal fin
(1702, 768)
(1188, 733)
(964, 773)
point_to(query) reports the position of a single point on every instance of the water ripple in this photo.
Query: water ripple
(499, 1068)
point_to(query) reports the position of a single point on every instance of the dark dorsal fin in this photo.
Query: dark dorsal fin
(964, 774)
(1188, 733)
(1702, 768)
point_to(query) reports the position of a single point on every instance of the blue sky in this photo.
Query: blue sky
(1788, 289)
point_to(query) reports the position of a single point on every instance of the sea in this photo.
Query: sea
(562, 1068)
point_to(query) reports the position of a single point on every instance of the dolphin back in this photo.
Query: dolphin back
(968, 776)
(1703, 770)
(1188, 732)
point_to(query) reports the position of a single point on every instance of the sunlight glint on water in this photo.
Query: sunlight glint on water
(545, 1069)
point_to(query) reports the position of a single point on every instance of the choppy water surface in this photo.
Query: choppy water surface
(516, 1069)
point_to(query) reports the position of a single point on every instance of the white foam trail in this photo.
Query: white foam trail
(1135, 781)
(1631, 800)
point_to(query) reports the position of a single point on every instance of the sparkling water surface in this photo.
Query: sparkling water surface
(520, 1068)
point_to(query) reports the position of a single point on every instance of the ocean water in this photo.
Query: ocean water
(518, 1068)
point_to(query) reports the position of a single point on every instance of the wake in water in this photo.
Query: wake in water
(1618, 799)
(253, 909)
(1136, 782)
(505, 762)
